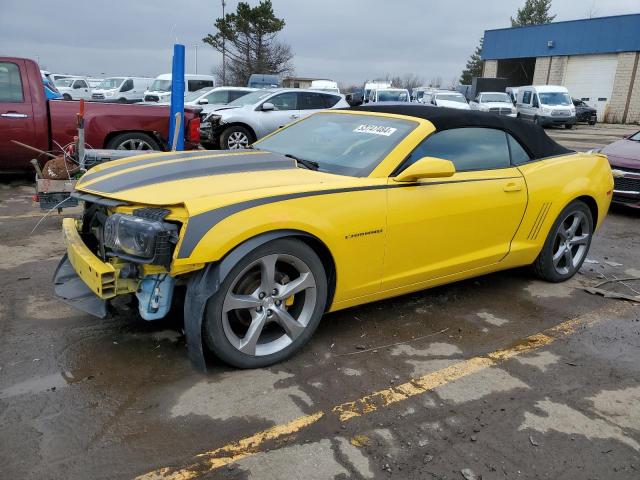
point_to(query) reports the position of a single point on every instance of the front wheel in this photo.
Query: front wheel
(567, 244)
(236, 138)
(66, 96)
(568, 126)
(268, 306)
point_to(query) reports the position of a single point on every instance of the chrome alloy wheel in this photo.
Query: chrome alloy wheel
(134, 144)
(237, 140)
(269, 304)
(571, 242)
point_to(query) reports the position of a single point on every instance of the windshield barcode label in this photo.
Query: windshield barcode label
(376, 130)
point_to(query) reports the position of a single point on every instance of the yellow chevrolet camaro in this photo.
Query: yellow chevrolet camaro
(339, 209)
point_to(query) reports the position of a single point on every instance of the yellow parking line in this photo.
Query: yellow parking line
(232, 452)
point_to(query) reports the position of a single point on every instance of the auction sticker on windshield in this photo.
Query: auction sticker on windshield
(376, 130)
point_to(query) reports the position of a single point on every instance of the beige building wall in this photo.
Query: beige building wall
(625, 98)
(557, 70)
(541, 71)
(490, 69)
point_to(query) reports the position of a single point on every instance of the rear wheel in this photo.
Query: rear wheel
(236, 137)
(567, 244)
(268, 306)
(568, 126)
(66, 96)
(133, 141)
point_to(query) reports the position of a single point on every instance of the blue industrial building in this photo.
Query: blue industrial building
(597, 59)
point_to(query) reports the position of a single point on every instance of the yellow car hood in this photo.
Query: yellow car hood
(187, 177)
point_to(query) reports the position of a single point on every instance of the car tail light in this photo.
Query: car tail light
(194, 130)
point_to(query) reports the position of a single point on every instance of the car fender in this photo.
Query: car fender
(206, 282)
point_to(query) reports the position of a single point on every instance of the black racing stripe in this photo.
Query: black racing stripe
(194, 168)
(146, 161)
(200, 224)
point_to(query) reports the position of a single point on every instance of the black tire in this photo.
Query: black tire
(568, 126)
(536, 120)
(592, 123)
(214, 320)
(122, 100)
(227, 137)
(127, 141)
(66, 96)
(209, 146)
(544, 266)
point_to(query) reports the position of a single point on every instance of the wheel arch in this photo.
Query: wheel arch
(205, 283)
(238, 124)
(111, 135)
(593, 207)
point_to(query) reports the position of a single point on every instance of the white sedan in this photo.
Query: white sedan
(494, 102)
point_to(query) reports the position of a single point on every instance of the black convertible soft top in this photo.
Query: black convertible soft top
(532, 137)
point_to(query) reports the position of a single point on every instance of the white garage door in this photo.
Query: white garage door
(590, 78)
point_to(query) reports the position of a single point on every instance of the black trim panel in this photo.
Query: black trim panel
(200, 224)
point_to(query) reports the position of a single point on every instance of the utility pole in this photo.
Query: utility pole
(196, 47)
(224, 52)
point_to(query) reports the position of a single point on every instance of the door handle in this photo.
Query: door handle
(512, 187)
(13, 115)
(295, 116)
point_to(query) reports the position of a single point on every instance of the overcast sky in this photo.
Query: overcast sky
(345, 40)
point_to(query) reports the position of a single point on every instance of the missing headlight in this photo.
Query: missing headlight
(140, 239)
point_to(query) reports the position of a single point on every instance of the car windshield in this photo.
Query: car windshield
(554, 98)
(64, 82)
(251, 98)
(110, 83)
(392, 96)
(344, 144)
(193, 96)
(495, 97)
(449, 97)
(635, 137)
(160, 86)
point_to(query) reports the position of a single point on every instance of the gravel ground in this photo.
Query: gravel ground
(466, 384)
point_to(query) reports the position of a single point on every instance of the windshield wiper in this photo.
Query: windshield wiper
(308, 164)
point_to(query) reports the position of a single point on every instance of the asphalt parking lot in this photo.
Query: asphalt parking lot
(501, 376)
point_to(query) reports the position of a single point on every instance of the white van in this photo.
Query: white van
(121, 89)
(370, 86)
(389, 95)
(325, 86)
(546, 105)
(160, 89)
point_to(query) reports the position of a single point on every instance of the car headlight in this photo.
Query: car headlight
(138, 238)
(110, 93)
(212, 118)
(545, 110)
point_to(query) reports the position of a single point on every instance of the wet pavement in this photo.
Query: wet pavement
(467, 385)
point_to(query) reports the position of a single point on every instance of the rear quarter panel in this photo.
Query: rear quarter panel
(552, 184)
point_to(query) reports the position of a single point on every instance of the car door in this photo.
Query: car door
(286, 111)
(312, 102)
(81, 89)
(524, 108)
(440, 227)
(16, 116)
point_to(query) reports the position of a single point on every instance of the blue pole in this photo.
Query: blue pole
(177, 95)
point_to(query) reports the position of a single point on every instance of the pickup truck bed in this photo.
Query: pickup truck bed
(27, 116)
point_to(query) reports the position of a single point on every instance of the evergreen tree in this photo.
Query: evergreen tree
(474, 66)
(534, 12)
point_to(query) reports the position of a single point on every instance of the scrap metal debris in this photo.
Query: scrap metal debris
(597, 290)
(361, 348)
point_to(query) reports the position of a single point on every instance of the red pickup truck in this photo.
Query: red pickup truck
(28, 117)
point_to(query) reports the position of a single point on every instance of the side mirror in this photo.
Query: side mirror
(268, 106)
(204, 101)
(427, 167)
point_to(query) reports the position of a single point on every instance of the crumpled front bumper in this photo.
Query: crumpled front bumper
(71, 289)
(83, 280)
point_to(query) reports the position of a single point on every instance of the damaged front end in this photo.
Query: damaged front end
(210, 129)
(114, 250)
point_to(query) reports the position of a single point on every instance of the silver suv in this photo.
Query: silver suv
(259, 113)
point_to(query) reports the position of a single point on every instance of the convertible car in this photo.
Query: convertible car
(339, 209)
